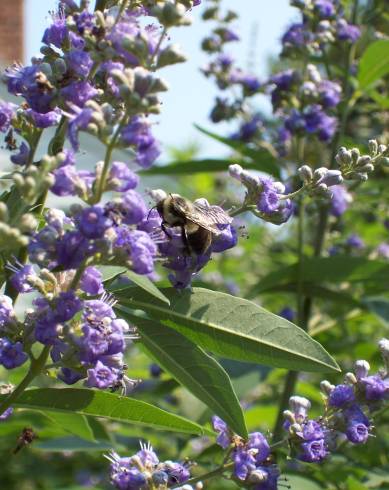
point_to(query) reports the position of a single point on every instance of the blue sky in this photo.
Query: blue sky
(190, 97)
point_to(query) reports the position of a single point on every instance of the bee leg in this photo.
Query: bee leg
(164, 229)
(185, 241)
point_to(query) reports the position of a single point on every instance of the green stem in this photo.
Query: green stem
(242, 209)
(157, 47)
(207, 476)
(107, 161)
(292, 376)
(36, 367)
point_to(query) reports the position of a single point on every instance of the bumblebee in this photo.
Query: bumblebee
(199, 221)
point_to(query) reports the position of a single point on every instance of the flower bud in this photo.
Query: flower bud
(333, 177)
(373, 146)
(350, 378)
(361, 369)
(355, 154)
(157, 194)
(382, 148)
(363, 160)
(383, 344)
(3, 212)
(305, 173)
(289, 416)
(170, 56)
(343, 157)
(319, 174)
(326, 387)
(235, 171)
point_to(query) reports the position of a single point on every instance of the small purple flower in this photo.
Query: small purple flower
(138, 134)
(296, 36)
(69, 376)
(21, 279)
(92, 281)
(72, 249)
(7, 313)
(329, 93)
(177, 472)
(341, 396)
(313, 451)
(77, 93)
(383, 250)
(224, 434)
(347, 32)
(67, 304)
(12, 354)
(355, 241)
(139, 246)
(79, 62)
(259, 442)
(92, 222)
(78, 121)
(312, 430)
(6, 414)
(134, 208)
(95, 310)
(44, 120)
(101, 376)
(325, 8)
(287, 313)
(7, 111)
(21, 158)
(228, 238)
(340, 200)
(57, 33)
(357, 432)
(121, 178)
(376, 388)
(65, 181)
(147, 455)
(244, 463)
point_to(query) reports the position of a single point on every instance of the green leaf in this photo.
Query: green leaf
(193, 368)
(316, 291)
(206, 165)
(380, 307)
(328, 269)
(236, 328)
(72, 422)
(300, 483)
(143, 282)
(263, 159)
(374, 63)
(107, 405)
(72, 443)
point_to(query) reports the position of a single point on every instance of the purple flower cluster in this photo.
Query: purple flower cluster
(250, 458)
(323, 22)
(267, 196)
(348, 410)
(144, 471)
(315, 96)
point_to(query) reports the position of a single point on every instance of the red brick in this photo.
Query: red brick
(11, 31)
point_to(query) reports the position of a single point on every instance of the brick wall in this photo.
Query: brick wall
(11, 31)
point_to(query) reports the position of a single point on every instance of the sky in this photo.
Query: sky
(191, 95)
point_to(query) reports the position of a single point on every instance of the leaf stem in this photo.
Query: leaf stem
(36, 367)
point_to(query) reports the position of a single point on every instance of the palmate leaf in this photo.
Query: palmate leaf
(107, 405)
(193, 368)
(319, 270)
(234, 328)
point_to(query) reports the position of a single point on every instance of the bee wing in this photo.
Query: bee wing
(209, 217)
